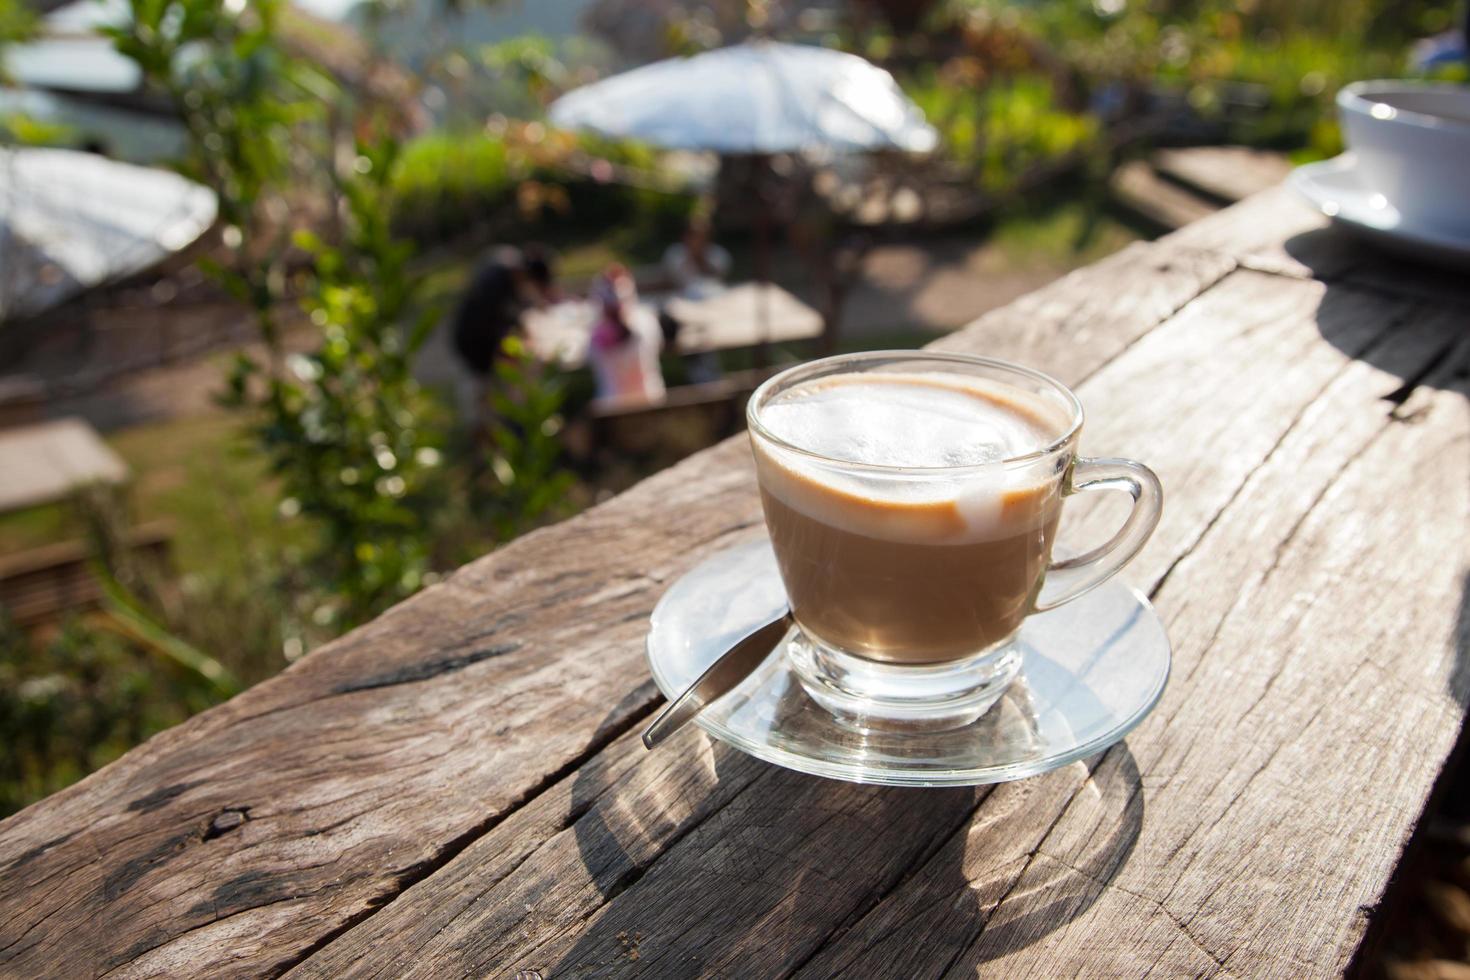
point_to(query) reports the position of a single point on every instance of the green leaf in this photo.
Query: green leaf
(129, 617)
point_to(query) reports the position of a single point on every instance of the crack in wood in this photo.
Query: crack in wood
(923, 911)
(1178, 923)
(574, 815)
(245, 891)
(1444, 354)
(26, 932)
(156, 941)
(130, 872)
(1279, 552)
(98, 856)
(1027, 860)
(1371, 344)
(26, 857)
(674, 840)
(425, 670)
(1234, 799)
(917, 868)
(232, 818)
(1229, 265)
(633, 875)
(432, 669)
(160, 798)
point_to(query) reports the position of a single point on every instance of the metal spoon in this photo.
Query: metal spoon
(728, 670)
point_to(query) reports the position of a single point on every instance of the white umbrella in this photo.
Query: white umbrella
(760, 97)
(72, 220)
(757, 97)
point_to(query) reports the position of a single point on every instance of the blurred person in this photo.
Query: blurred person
(624, 348)
(509, 282)
(1443, 49)
(696, 267)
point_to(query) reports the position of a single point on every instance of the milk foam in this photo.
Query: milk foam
(912, 420)
(900, 422)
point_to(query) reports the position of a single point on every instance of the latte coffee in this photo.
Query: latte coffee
(901, 533)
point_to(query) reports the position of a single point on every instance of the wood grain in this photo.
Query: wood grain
(1021, 891)
(1277, 232)
(1274, 771)
(454, 789)
(1076, 325)
(363, 766)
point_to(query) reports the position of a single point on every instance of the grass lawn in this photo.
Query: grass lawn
(198, 471)
(1067, 232)
(208, 476)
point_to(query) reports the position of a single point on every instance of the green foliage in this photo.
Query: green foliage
(77, 700)
(355, 445)
(1290, 82)
(446, 182)
(528, 62)
(241, 97)
(513, 176)
(22, 130)
(1264, 72)
(75, 697)
(354, 441)
(527, 482)
(1003, 131)
(17, 22)
(130, 617)
(527, 181)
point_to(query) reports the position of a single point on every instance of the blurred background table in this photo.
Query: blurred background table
(745, 315)
(50, 461)
(458, 788)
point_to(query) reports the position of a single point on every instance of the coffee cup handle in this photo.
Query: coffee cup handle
(1071, 577)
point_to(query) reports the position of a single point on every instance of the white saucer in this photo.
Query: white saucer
(1092, 670)
(1336, 189)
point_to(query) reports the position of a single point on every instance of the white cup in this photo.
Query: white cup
(1412, 144)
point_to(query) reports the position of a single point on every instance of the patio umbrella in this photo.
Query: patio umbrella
(71, 220)
(753, 99)
(760, 97)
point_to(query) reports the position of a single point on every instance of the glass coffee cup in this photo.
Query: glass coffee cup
(912, 500)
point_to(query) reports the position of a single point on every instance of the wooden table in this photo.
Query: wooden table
(457, 789)
(741, 316)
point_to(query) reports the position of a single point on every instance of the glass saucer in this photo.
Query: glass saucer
(1092, 670)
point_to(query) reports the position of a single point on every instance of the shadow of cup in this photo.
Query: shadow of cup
(709, 862)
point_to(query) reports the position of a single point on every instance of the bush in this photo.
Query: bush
(1263, 73)
(1290, 84)
(1003, 131)
(446, 181)
(77, 701)
(526, 181)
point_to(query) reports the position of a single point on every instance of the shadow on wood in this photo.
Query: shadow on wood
(1337, 256)
(1422, 345)
(795, 875)
(1409, 928)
